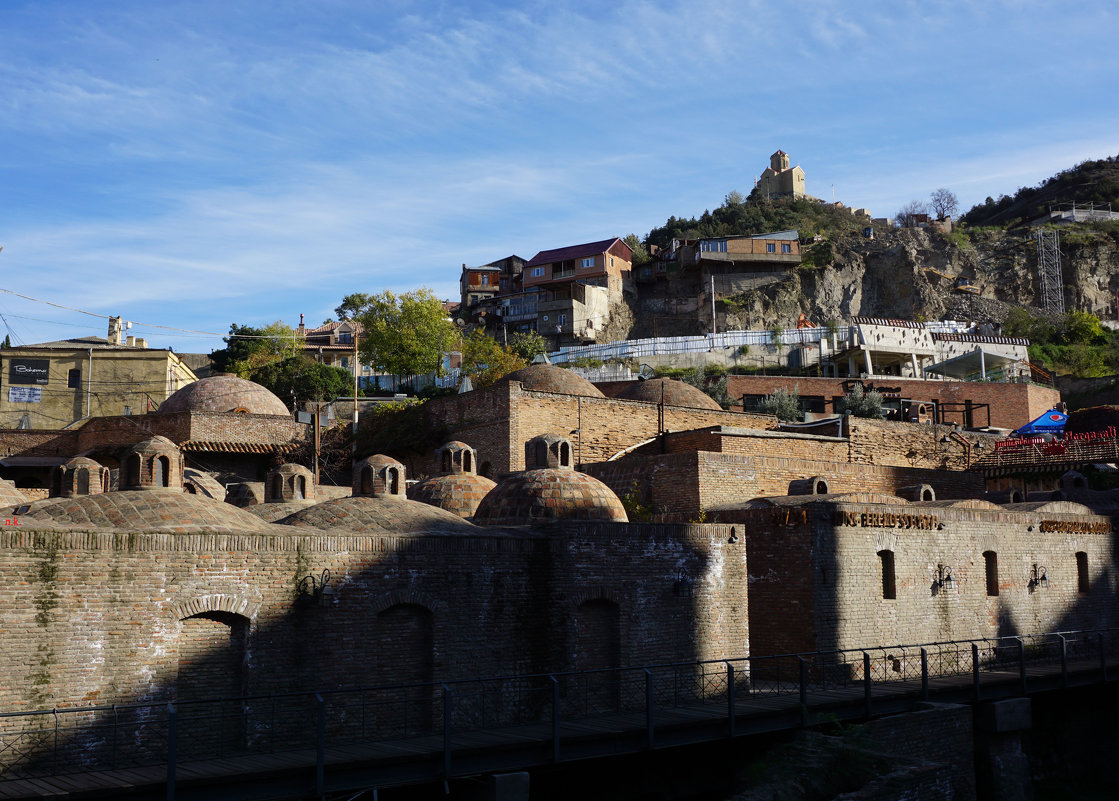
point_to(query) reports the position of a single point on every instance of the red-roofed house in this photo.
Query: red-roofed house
(577, 286)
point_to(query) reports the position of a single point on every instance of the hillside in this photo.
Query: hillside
(1089, 182)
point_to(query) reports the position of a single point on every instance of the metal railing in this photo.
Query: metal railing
(128, 736)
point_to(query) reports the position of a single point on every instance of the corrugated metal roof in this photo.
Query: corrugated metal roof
(572, 252)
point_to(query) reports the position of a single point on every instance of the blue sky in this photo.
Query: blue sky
(193, 164)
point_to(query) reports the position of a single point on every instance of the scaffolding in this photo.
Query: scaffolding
(1049, 265)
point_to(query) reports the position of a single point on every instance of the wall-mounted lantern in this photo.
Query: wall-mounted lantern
(1038, 577)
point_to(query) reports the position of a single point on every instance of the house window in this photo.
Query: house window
(484, 280)
(889, 584)
(611, 261)
(587, 263)
(345, 362)
(786, 247)
(537, 272)
(770, 247)
(74, 379)
(561, 319)
(992, 562)
(345, 338)
(713, 246)
(1081, 572)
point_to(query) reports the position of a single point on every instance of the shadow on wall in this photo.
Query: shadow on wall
(252, 621)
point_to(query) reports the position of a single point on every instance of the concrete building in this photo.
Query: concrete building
(52, 385)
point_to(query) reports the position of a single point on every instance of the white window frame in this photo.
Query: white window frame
(537, 272)
(587, 263)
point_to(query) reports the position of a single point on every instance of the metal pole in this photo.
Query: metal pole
(1022, 664)
(648, 709)
(730, 697)
(555, 719)
(1064, 661)
(975, 669)
(803, 691)
(446, 732)
(866, 684)
(172, 731)
(714, 330)
(924, 674)
(320, 749)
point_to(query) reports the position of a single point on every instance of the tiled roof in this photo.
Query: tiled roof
(572, 252)
(236, 447)
(327, 328)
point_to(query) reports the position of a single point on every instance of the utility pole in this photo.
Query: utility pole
(713, 329)
(355, 387)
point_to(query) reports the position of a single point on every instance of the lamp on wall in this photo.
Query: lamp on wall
(310, 591)
(944, 578)
(1038, 577)
(684, 585)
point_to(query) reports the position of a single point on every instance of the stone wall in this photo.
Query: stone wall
(96, 617)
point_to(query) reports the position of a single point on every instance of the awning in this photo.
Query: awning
(970, 364)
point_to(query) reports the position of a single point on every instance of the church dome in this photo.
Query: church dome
(224, 393)
(670, 392)
(547, 378)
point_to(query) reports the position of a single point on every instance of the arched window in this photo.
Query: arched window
(367, 480)
(564, 455)
(392, 481)
(889, 583)
(446, 465)
(466, 466)
(1082, 579)
(276, 488)
(300, 488)
(991, 560)
(541, 454)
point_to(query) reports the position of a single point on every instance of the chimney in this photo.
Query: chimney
(301, 329)
(131, 342)
(141, 342)
(115, 331)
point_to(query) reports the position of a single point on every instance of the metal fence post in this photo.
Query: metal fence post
(1103, 650)
(648, 709)
(975, 669)
(172, 733)
(320, 747)
(446, 732)
(730, 698)
(866, 684)
(803, 690)
(1064, 661)
(555, 719)
(1022, 664)
(924, 674)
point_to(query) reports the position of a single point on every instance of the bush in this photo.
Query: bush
(783, 404)
(861, 403)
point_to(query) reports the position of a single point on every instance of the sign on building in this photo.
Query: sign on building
(25, 394)
(28, 371)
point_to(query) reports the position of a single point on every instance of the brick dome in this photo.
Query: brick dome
(457, 493)
(289, 483)
(548, 494)
(671, 392)
(81, 476)
(378, 476)
(381, 515)
(138, 510)
(152, 464)
(546, 378)
(9, 495)
(224, 393)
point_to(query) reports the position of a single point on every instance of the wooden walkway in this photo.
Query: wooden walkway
(358, 766)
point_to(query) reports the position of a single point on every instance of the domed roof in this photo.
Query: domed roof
(9, 495)
(142, 510)
(156, 444)
(548, 494)
(457, 493)
(547, 378)
(82, 461)
(224, 393)
(671, 392)
(381, 515)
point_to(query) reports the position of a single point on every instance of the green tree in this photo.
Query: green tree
(7, 342)
(528, 344)
(1081, 328)
(301, 378)
(640, 252)
(405, 334)
(247, 348)
(861, 403)
(486, 361)
(784, 404)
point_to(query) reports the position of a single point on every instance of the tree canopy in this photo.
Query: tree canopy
(247, 348)
(404, 334)
(301, 378)
(527, 344)
(944, 203)
(485, 360)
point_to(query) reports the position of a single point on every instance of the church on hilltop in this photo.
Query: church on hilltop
(779, 180)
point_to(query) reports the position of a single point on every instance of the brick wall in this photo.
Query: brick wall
(1011, 405)
(98, 617)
